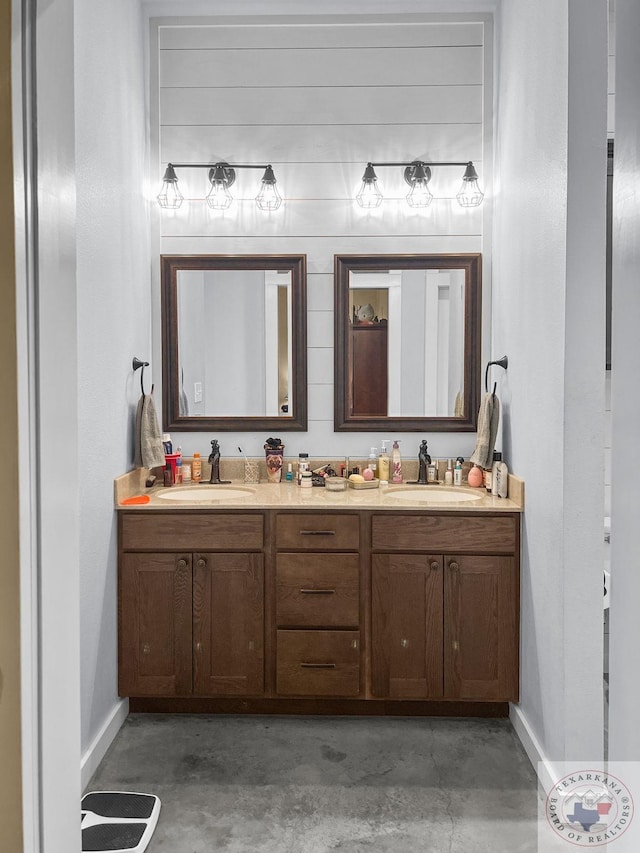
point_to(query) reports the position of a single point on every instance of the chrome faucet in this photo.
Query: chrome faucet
(214, 459)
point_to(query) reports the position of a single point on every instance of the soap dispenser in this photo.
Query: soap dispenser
(373, 461)
(396, 463)
(383, 463)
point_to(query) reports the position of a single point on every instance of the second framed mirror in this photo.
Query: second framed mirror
(407, 342)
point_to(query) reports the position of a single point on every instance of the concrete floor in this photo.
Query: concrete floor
(318, 784)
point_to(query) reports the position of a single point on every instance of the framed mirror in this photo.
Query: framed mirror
(234, 342)
(407, 342)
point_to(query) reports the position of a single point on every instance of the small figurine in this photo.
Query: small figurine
(214, 459)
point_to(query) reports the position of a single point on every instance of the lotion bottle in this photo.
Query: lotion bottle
(383, 464)
(497, 459)
(448, 474)
(196, 468)
(373, 461)
(396, 463)
(457, 472)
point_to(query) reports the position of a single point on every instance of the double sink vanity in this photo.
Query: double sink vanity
(276, 599)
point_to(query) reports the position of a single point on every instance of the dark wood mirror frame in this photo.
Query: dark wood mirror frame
(472, 266)
(170, 266)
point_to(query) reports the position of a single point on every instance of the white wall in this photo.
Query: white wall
(548, 308)
(624, 737)
(317, 101)
(113, 324)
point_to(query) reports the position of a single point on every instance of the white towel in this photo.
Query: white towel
(149, 448)
(488, 419)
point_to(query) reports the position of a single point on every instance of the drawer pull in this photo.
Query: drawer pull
(317, 533)
(318, 665)
(318, 591)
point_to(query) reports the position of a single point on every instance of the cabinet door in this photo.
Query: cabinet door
(406, 643)
(228, 624)
(155, 625)
(481, 633)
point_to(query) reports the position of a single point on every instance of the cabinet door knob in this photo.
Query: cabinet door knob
(202, 563)
(455, 646)
(198, 647)
(404, 643)
(146, 649)
(435, 566)
(182, 563)
(454, 566)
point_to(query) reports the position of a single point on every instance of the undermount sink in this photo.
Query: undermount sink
(433, 495)
(205, 494)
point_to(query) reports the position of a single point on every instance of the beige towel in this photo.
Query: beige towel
(149, 448)
(488, 419)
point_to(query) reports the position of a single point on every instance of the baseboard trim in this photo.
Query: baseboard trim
(543, 767)
(103, 740)
(316, 706)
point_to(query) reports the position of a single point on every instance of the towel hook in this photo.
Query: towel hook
(501, 362)
(137, 363)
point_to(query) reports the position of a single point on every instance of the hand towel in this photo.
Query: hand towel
(488, 419)
(149, 449)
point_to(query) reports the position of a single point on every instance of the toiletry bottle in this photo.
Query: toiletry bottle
(196, 468)
(497, 459)
(475, 477)
(457, 472)
(179, 470)
(448, 476)
(432, 471)
(167, 443)
(289, 475)
(502, 475)
(373, 461)
(396, 463)
(383, 464)
(303, 465)
(168, 475)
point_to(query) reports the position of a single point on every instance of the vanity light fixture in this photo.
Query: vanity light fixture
(418, 174)
(170, 196)
(221, 177)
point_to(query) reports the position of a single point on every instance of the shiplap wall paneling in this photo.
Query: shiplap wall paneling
(317, 102)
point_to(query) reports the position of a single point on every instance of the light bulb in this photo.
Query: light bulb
(170, 196)
(369, 194)
(419, 195)
(219, 197)
(268, 198)
(470, 194)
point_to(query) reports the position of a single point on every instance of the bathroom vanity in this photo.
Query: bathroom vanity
(353, 602)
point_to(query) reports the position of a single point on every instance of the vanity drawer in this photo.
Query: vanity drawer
(318, 663)
(193, 532)
(318, 590)
(317, 532)
(433, 533)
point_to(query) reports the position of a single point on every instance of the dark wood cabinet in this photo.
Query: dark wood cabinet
(481, 627)
(155, 624)
(348, 611)
(406, 626)
(228, 624)
(368, 371)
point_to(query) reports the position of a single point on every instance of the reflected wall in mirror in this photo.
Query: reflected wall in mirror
(407, 342)
(234, 342)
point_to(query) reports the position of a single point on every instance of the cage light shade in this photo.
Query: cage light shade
(219, 197)
(369, 194)
(420, 195)
(170, 196)
(470, 194)
(268, 198)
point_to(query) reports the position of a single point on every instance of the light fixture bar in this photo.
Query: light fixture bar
(221, 176)
(417, 174)
(423, 162)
